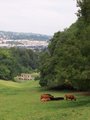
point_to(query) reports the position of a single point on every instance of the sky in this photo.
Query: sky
(37, 16)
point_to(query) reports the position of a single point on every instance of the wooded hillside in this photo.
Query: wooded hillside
(67, 61)
(14, 61)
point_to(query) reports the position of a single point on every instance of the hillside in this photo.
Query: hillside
(21, 101)
(24, 40)
(22, 36)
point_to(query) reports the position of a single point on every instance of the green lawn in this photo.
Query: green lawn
(21, 101)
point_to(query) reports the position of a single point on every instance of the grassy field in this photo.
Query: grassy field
(21, 101)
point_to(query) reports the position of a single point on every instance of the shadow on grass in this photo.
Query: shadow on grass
(71, 104)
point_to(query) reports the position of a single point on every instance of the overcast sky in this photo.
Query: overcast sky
(37, 16)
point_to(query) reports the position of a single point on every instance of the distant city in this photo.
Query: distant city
(24, 40)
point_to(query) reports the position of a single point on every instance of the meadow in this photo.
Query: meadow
(21, 101)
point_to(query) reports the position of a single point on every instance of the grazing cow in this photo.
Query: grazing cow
(45, 99)
(46, 96)
(70, 97)
(49, 97)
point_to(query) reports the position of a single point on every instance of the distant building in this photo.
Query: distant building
(24, 76)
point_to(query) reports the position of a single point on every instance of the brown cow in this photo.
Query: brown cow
(49, 97)
(70, 96)
(46, 97)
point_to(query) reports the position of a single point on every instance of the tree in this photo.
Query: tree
(84, 11)
(14, 61)
(67, 60)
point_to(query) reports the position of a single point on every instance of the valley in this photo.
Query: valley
(24, 40)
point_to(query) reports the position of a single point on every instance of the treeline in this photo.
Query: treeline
(66, 63)
(14, 61)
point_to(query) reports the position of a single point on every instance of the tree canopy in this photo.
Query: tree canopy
(67, 60)
(14, 61)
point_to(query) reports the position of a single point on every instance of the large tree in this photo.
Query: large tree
(84, 10)
(67, 61)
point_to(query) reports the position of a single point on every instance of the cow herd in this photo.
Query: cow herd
(49, 97)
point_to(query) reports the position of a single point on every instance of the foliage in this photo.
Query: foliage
(84, 11)
(14, 61)
(68, 57)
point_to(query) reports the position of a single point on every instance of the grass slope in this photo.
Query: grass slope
(21, 101)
